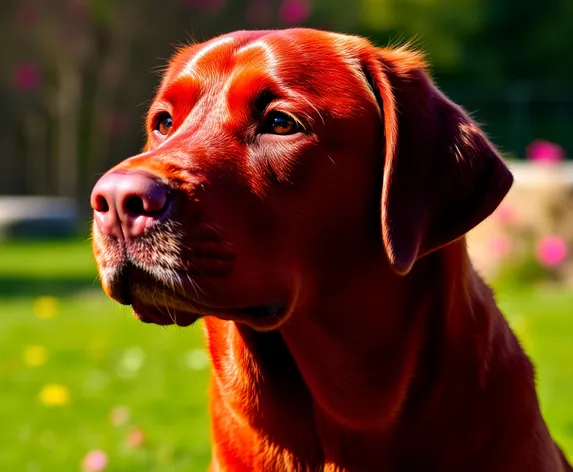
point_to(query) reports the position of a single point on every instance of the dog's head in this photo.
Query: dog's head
(276, 156)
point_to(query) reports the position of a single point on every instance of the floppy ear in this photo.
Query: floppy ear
(441, 174)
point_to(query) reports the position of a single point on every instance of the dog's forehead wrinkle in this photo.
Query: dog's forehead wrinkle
(209, 48)
(275, 53)
(225, 49)
(265, 49)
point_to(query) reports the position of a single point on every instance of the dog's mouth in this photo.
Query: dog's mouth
(153, 300)
(183, 282)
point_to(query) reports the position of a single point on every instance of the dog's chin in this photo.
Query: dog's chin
(154, 302)
(163, 315)
(260, 318)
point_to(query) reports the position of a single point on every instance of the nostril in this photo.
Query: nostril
(134, 205)
(100, 204)
(126, 204)
(153, 202)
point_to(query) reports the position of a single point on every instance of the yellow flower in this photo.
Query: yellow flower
(46, 307)
(35, 356)
(54, 395)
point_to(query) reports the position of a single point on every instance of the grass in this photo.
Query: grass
(78, 373)
(104, 359)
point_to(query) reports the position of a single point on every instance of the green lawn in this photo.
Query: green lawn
(78, 373)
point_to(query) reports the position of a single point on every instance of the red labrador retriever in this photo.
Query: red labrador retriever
(308, 193)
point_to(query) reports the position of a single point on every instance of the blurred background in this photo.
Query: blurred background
(83, 386)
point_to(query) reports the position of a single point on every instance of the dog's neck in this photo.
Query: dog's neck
(350, 369)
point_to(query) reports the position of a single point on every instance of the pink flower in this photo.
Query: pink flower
(95, 461)
(294, 11)
(26, 77)
(135, 438)
(119, 415)
(500, 246)
(504, 214)
(545, 151)
(551, 250)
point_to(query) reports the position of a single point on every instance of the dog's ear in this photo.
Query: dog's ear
(441, 174)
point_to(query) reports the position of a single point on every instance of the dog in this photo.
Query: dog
(307, 194)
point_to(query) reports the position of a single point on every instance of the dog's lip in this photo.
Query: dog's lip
(275, 310)
(119, 288)
(164, 316)
(122, 290)
(123, 294)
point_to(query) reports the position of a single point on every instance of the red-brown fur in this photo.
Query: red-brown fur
(389, 353)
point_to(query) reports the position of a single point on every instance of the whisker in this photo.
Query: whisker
(172, 316)
(159, 308)
(215, 228)
(195, 287)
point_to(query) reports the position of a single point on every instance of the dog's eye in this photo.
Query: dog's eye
(282, 124)
(164, 124)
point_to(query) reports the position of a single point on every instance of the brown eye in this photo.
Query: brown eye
(164, 124)
(282, 124)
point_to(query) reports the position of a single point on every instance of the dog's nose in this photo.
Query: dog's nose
(127, 203)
